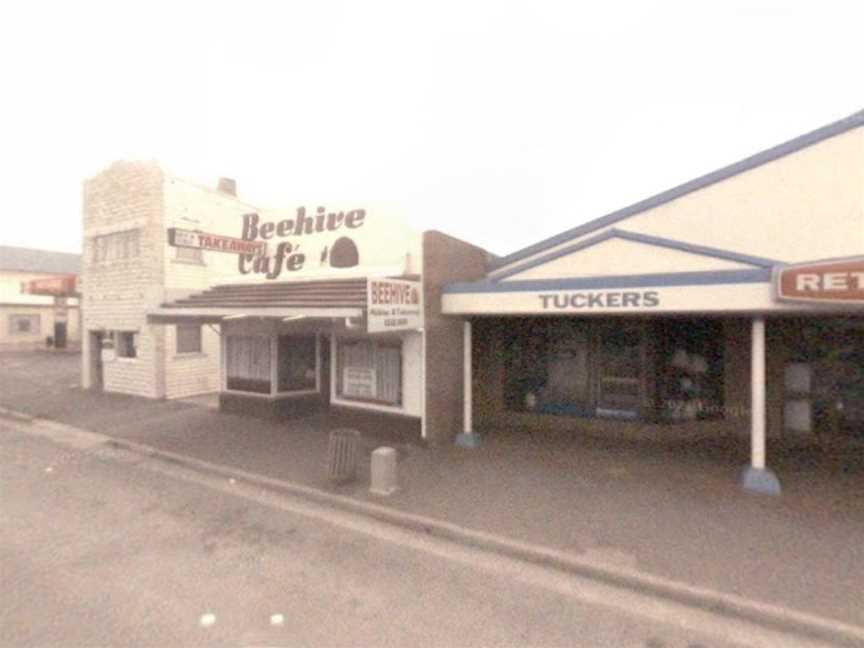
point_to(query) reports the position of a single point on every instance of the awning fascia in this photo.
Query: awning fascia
(173, 315)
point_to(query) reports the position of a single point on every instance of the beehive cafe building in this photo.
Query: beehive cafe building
(730, 305)
(331, 309)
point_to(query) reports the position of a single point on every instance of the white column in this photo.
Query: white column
(467, 377)
(757, 391)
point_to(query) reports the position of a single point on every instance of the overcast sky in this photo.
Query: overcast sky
(498, 122)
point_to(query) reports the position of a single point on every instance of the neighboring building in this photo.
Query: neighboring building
(190, 290)
(688, 313)
(28, 320)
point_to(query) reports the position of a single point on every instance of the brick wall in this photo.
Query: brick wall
(193, 207)
(126, 196)
(118, 293)
(445, 260)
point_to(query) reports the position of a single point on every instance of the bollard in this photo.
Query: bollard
(383, 472)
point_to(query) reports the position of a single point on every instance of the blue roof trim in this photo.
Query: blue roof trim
(803, 141)
(701, 250)
(659, 280)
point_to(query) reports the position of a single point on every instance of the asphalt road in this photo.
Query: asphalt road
(102, 547)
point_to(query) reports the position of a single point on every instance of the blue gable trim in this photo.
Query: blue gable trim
(763, 157)
(701, 250)
(713, 278)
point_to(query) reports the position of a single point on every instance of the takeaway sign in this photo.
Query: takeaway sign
(214, 242)
(831, 281)
(393, 305)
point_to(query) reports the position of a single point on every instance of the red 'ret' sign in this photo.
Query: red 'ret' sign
(835, 280)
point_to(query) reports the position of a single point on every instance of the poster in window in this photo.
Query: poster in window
(359, 382)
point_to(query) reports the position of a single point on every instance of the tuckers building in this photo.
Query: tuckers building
(283, 312)
(730, 305)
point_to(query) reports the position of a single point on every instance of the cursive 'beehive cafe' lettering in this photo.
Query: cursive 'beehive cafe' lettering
(292, 255)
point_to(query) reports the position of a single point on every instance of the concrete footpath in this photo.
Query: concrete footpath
(668, 519)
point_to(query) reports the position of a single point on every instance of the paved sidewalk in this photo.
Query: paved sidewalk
(673, 511)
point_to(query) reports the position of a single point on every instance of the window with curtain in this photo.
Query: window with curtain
(247, 363)
(370, 371)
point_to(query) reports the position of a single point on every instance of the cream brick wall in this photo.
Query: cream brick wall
(118, 294)
(127, 195)
(190, 206)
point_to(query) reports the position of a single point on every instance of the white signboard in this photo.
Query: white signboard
(333, 240)
(359, 382)
(394, 305)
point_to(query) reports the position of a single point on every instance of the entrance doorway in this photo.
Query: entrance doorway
(60, 335)
(325, 370)
(95, 360)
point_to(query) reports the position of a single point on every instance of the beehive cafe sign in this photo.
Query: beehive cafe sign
(278, 243)
(291, 254)
(831, 281)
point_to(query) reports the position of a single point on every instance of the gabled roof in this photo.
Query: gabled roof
(32, 260)
(803, 141)
(655, 241)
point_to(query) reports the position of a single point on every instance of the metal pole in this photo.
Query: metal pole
(467, 377)
(757, 390)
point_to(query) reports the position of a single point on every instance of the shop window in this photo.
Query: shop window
(116, 246)
(24, 325)
(370, 371)
(575, 367)
(828, 356)
(188, 338)
(247, 363)
(690, 369)
(297, 365)
(126, 344)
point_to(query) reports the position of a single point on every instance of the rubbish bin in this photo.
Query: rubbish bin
(342, 455)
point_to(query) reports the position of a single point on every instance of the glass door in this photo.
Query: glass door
(620, 352)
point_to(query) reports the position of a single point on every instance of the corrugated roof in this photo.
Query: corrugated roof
(331, 293)
(32, 260)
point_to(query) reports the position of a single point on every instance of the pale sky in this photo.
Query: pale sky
(498, 122)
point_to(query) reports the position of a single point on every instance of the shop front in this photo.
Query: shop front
(337, 314)
(731, 305)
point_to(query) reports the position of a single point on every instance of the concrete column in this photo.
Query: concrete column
(468, 438)
(757, 477)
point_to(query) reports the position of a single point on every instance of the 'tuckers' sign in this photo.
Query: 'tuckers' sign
(835, 280)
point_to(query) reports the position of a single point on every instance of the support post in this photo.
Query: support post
(468, 438)
(757, 477)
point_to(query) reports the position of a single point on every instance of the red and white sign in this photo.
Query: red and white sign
(59, 286)
(835, 280)
(393, 305)
(214, 242)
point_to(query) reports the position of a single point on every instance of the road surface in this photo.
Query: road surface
(104, 547)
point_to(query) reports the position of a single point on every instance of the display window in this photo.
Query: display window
(615, 368)
(690, 369)
(251, 360)
(370, 371)
(575, 367)
(297, 365)
(824, 375)
(247, 363)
